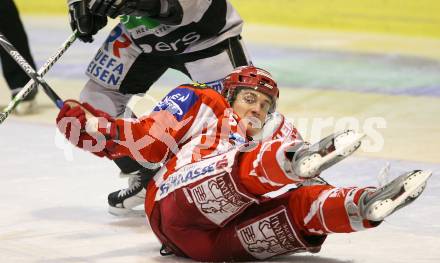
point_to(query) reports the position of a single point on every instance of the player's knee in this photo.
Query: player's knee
(100, 98)
(303, 200)
(306, 194)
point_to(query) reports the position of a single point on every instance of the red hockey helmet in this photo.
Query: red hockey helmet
(250, 77)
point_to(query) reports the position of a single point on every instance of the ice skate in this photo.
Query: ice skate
(28, 105)
(377, 204)
(123, 202)
(309, 162)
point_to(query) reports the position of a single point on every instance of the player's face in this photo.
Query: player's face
(252, 107)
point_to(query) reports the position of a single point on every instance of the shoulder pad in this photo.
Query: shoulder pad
(178, 102)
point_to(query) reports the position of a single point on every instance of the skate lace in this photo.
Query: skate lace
(133, 186)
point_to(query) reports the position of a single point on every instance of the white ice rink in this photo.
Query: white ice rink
(53, 199)
(53, 209)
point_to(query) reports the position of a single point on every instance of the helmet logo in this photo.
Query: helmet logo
(264, 73)
(267, 85)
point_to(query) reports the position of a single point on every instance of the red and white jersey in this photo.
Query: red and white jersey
(193, 123)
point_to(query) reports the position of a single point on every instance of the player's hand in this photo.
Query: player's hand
(88, 128)
(84, 21)
(115, 8)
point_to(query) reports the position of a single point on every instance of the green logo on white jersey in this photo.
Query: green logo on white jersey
(131, 22)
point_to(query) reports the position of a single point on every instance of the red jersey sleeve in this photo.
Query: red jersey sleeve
(154, 137)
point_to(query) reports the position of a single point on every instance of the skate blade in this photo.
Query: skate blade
(311, 165)
(126, 212)
(413, 186)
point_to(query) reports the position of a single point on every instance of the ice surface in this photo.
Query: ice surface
(53, 209)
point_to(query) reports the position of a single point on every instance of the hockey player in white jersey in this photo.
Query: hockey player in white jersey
(198, 38)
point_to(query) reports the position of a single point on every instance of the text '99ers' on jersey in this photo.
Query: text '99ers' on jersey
(196, 25)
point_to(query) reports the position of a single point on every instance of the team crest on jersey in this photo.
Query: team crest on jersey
(178, 102)
(270, 236)
(219, 199)
(116, 41)
(143, 26)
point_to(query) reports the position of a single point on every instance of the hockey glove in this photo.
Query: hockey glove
(88, 128)
(115, 8)
(84, 21)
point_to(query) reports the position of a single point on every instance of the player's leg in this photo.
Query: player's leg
(309, 161)
(327, 209)
(226, 221)
(211, 65)
(296, 221)
(123, 202)
(261, 231)
(267, 168)
(12, 27)
(108, 100)
(272, 164)
(376, 204)
(118, 71)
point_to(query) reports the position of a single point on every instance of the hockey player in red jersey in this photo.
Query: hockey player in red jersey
(218, 157)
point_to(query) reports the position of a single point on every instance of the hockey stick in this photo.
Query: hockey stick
(29, 70)
(32, 83)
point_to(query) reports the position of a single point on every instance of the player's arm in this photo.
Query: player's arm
(171, 12)
(148, 139)
(283, 157)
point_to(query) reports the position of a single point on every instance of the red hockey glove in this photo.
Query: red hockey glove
(88, 128)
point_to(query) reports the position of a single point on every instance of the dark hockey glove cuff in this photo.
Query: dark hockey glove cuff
(115, 8)
(84, 21)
